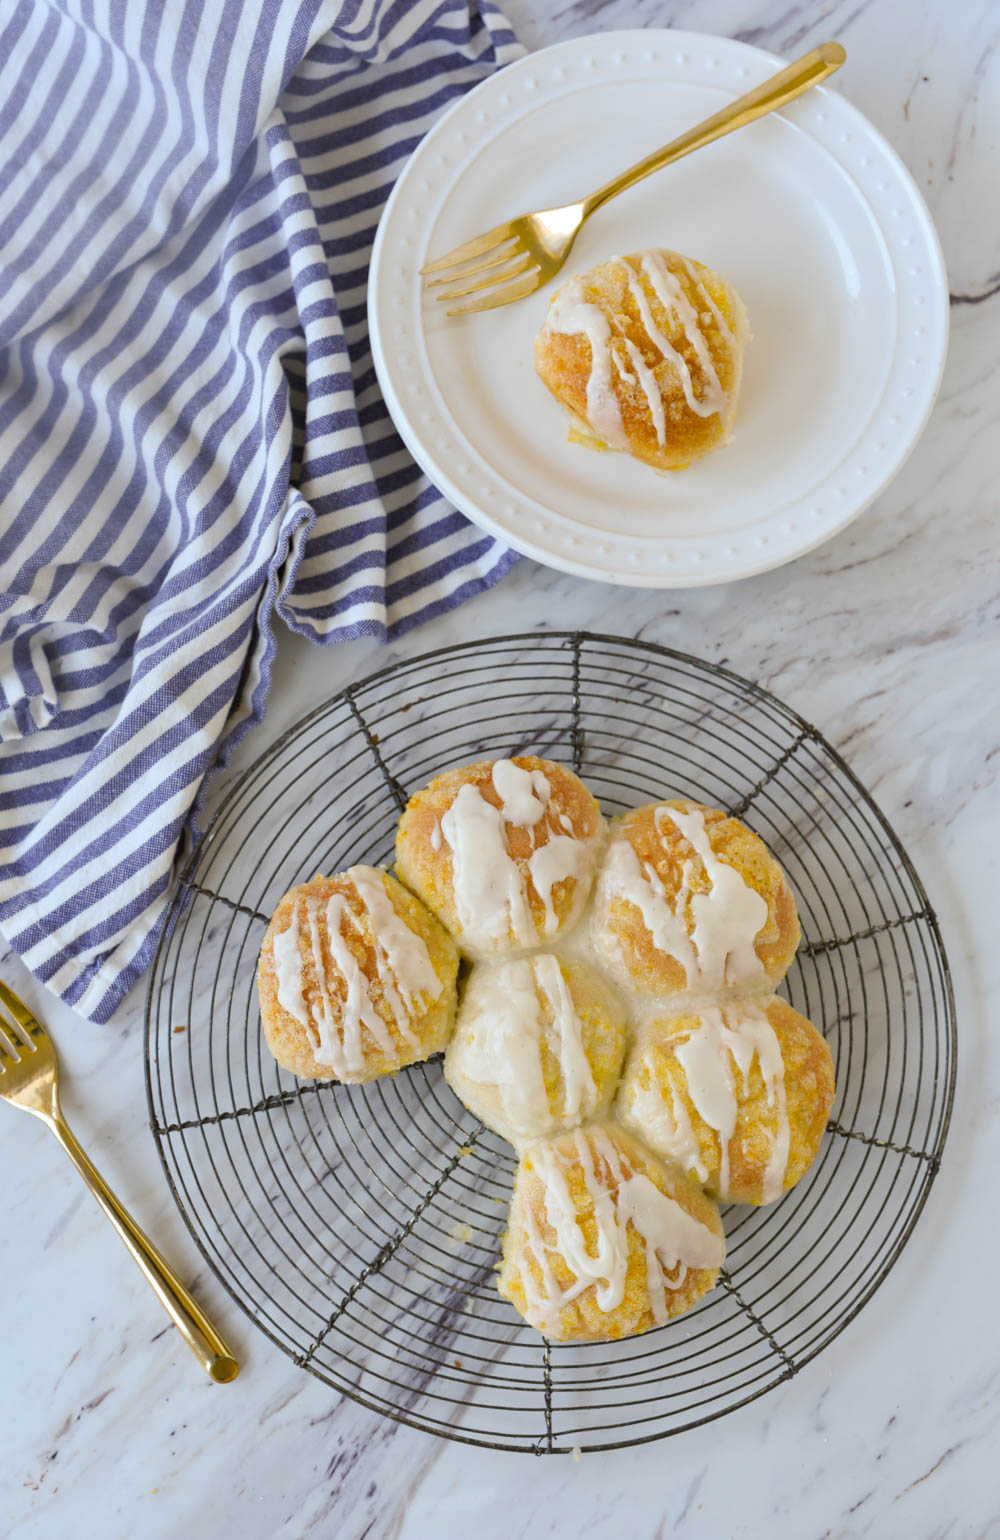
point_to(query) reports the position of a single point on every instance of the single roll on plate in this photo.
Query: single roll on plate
(604, 1241)
(737, 1093)
(689, 901)
(538, 1046)
(503, 851)
(646, 353)
(355, 978)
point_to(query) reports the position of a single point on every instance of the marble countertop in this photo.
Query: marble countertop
(887, 639)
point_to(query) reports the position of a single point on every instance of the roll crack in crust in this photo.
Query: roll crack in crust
(604, 1241)
(737, 1093)
(538, 1046)
(689, 901)
(355, 978)
(646, 353)
(503, 851)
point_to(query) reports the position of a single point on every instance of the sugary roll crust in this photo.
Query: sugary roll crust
(690, 901)
(604, 1241)
(355, 978)
(503, 851)
(738, 1094)
(646, 353)
(538, 1046)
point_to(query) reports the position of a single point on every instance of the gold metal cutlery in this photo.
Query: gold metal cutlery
(29, 1079)
(517, 257)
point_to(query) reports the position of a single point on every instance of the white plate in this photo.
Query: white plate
(809, 214)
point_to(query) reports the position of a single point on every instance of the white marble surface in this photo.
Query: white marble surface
(887, 639)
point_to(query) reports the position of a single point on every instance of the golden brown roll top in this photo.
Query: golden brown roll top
(538, 1046)
(689, 901)
(503, 852)
(737, 1093)
(646, 353)
(604, 1241)
(355, 978)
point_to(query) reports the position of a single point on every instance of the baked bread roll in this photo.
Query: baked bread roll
(689, 901)
(737, 1093)
(355, 978)
(604, 1241)
(538, 1046)
(646, 353)
(503, 851)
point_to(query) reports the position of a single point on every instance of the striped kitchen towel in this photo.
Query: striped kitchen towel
(191, 436)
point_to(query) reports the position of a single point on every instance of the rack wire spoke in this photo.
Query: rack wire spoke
(220, 898)
(359, 1226)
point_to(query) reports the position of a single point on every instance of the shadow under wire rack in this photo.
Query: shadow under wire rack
(359, 1226)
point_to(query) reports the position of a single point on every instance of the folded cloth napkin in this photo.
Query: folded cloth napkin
(191, 435)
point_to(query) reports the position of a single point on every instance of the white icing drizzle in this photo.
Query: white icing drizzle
(436, 838)
(647, 379)
(624, 878)
(562, 856)
(288, 971)
(579, 1088)
(670, 292)
(328, 1050)
(345, 1054)
(404, 969)
(725, 330)
(499, 1043)
(656, 1113)
(567, 823)
(490, 889)
(625, 375)
(490, 898)
(718, 949)
(661, 341)
(404, 964)
(728, 918)
(707, 1056)
(674, 1240)
(523, 794)
(571, 314)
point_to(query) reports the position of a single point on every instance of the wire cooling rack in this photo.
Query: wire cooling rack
(359, 1227)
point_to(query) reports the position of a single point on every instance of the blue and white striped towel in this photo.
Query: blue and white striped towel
(191, 435)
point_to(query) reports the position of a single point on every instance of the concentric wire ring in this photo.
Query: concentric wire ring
(359, 1227)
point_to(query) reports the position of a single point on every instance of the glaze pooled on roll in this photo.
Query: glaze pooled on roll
(603, 1241)
(690, 901)
(737, 1093)
(538, 1046)
(646, 353)
(503, 851)
(355, 978)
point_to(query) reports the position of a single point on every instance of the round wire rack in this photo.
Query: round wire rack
(359, 1226)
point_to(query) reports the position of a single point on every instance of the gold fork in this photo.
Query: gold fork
(29, 1075)
(521, 255)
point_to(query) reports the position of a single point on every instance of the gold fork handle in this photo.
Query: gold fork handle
(768, 97)
(193, 1325)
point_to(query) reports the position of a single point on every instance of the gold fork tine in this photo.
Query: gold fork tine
(477, 247)
(17, 1037)
(19, 1011)
(489, 282)
(502, 296)
(511, 249)
(29, 1079)
(8, 1053)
